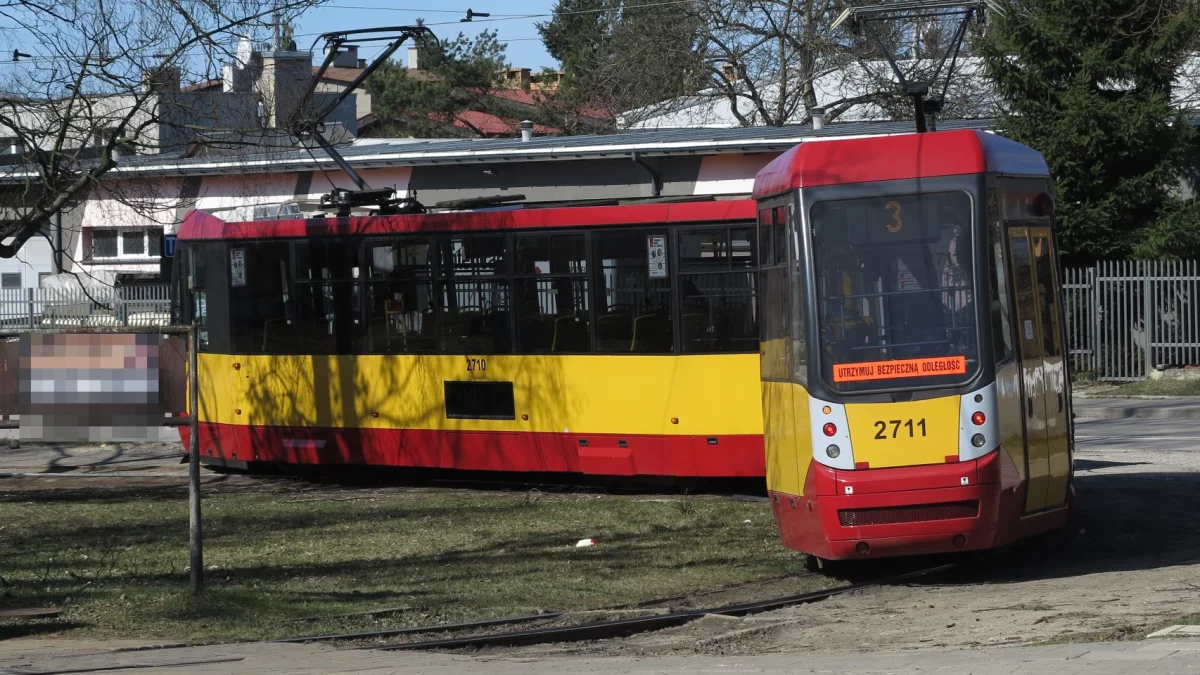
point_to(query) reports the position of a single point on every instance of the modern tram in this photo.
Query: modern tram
(914, 386)
(617, 340)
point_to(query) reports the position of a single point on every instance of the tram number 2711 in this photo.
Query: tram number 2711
(881, 428)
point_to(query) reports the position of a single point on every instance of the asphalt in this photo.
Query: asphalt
(1148, 657)
(1179, 407)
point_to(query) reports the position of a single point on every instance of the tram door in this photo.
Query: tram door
(1043, 373)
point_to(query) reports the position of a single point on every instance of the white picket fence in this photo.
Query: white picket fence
(145, 305)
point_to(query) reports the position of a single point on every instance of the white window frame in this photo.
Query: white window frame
(121, 256)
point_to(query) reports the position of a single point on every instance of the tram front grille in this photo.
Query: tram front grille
(891, 515)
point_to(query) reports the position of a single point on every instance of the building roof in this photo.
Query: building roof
(906, 156)
(422, 152)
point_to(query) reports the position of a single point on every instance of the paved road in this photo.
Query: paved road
(1168, 435)
(1157, 657)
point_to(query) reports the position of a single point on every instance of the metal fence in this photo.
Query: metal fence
(1126, 317)
(147, 305)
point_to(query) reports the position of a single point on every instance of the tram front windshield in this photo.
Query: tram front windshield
(895, 291)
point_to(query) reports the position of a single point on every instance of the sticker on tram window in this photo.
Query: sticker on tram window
(656, 256)
(889, 370)
(237, 266)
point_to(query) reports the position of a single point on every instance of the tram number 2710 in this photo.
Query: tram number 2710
(474, 365)
(881, 428)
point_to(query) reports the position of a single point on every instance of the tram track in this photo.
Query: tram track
(596, 630)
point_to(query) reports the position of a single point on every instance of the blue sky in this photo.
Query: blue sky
(511, 19)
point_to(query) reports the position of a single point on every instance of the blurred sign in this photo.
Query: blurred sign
(90, 387)
(168, 247)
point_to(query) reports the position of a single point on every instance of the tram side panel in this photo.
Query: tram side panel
(647, 415)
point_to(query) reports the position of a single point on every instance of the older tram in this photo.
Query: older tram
(612, 340)
(915, 394)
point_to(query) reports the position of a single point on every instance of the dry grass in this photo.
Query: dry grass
(116, 560)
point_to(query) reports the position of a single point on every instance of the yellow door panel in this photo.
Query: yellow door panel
(1058, 460)
(780, 438)
(1033, 371)
(802, 428)
(904, 434)
(1010, 405)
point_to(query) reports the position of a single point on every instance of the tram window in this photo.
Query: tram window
(399, 297)
(765, 246)
(399, 259)
(475, 316)
(326, 318)
(205, 267)
(400, 317)
(779, 236)
(885, 295)
(633, 309)
(716, 289)
(1049, 306)
(326, 260)
(260, 318)
(551, 254)
(473, 297)
(1002, 342)
(552, 294)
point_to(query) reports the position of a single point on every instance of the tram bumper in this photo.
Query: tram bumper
(960, 506)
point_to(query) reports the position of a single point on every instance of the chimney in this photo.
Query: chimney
(818, 118)
(285, 76)
(526, 130)
(414, 55)
(164, 80)
(346, 58)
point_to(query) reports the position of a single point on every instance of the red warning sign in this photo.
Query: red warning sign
(889, 370)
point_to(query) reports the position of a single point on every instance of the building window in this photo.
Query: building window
(104, 244)
(42, 276)
(10, 280)
(114, 244)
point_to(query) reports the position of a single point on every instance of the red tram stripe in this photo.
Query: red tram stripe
(734, 456)
(204, 225)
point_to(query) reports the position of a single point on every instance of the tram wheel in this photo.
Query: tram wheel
(820, 565)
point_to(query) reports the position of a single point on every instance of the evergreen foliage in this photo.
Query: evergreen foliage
(454, 76)
(1089, 85)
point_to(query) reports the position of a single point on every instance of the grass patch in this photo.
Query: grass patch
(1190, 387)
(116, 562)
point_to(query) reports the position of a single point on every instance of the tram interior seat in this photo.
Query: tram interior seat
(614, 328)
(651, 333)
(571, 333)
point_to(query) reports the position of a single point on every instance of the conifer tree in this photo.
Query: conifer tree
(1089, 84)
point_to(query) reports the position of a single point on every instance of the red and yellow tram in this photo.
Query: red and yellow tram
(611, 340)
(915, 393)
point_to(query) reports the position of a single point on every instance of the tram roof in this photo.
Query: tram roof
(380, 153)
(906, 156)
(204, 225)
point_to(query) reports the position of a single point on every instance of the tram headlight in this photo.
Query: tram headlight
(978, 440)
(833, 451)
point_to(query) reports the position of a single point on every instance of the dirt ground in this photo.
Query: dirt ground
(1127, 566)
